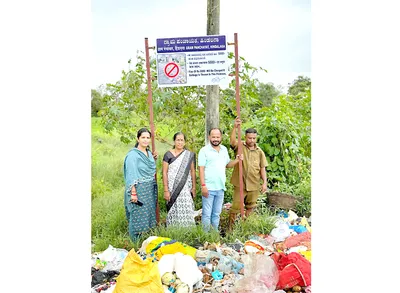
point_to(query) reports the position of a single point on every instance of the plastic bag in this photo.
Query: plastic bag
(254, 246)
(281, 232)
(294, 269)
(226, 264)
(166, 264)
(292, 216)
(185, 267)
(298, 228)
(114, 257)
(138, 276)
(160, 246)
(260, 275)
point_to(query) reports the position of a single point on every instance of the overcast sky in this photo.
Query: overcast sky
(274, 34)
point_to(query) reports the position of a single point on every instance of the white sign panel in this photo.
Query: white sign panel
(192, 61)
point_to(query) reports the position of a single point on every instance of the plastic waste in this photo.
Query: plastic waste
(292, 216)
(114, 258)
(167, 278)
(139, 276)
(228, 251)
(305, 223)
(266, 241)
(186, 269)
(297, 249)
(159, 246)
(110, 289)
(146, 242)
(283, 214)
(260, 275)
(294, 269)
(298, 228)
(281, 232)
(217, 275)
(226, 264)
(166, 264)
(254, 246)
(182, 288)
(299, 239)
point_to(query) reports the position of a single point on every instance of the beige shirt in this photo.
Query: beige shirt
(253, 161)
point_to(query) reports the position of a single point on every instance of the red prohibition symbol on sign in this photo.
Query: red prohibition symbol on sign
(171, 69)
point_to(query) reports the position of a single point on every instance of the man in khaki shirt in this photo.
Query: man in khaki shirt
(253, 171)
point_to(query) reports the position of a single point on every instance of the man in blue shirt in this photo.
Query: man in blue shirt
(213, 160)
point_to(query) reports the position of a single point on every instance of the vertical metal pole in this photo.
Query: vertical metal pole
(239, 131)
(150, 102)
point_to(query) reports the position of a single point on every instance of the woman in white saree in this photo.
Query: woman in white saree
(179, 179)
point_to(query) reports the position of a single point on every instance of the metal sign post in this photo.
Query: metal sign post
(150, 102)
(238, 115)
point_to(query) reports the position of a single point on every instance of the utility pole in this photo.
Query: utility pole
(212, 97)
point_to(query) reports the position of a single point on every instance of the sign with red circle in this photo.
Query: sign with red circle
(171, 69)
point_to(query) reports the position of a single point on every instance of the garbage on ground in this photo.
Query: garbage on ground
(260, 274)
(159, 246)
(113, 258)
(297, 240)
(281, 232)
(139, 276)
(292, 216)
(100, 277)
(276, 263)
(294, 269)
(225, 264)
(298, 228)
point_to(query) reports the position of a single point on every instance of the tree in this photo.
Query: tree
(96, 103)
(267, 92)
(285, 137)
(299, 85)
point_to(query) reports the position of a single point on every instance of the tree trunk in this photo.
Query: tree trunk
(212, 97)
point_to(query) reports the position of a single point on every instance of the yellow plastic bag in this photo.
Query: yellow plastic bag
(154, 243)
(174, 248)
(162, 245)
(138, 276)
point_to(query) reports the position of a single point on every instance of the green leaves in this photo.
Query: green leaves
(285, 137)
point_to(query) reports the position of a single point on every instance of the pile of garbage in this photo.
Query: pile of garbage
(279, 262)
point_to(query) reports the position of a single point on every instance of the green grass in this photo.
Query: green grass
(109, 224)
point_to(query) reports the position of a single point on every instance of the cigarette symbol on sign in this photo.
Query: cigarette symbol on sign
(171, 69)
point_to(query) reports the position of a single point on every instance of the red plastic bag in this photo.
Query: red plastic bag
(294, 269)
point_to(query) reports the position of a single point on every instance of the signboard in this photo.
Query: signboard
(192, 61)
